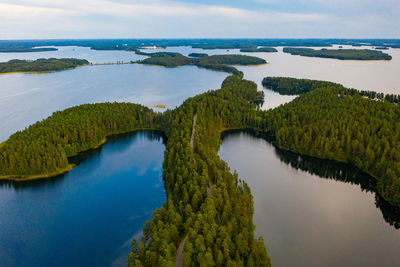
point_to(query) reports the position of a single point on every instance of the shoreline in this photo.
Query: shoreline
(40, 72)
(20, 178)
(222, 132)
(17, 178)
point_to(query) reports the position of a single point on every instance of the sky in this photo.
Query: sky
(35, 19)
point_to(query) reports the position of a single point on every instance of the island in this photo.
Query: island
(259, 49)
(343, 54)
(198, 55)
(215, 62)
(41, 65)
(26, 49)
(134, 44)
(293, 86)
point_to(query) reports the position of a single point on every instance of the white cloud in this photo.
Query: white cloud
(156, 18)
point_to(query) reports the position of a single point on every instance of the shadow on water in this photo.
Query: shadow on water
(329, 169)
(151, 135)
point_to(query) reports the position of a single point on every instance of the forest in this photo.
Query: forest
(293, 86)
(260, 49)
(208, 209)
(22, 49)
(336, 123)
(215, 62)
(41, 65)
(343, 54)
(198, 55)
(43, 148)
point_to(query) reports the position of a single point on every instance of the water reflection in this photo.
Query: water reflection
(329, 169)
(85, 217)
(309, 221)
(151, 135)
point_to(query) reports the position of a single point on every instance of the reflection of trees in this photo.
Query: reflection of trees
(344, 173)
(328, 169)
(39, 184)
(333, 170)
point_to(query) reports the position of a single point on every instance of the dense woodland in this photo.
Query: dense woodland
(293, 86)
(43, 148)
(340, 124)
(207, 205)
(22, 49)
(41, 65)
(198, 55)
(208, 208)
(344, 54)
(259, 49)
(215, 62)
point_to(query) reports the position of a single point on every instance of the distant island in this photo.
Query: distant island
(215, 62)
(260, 49)
(343, 54)
(135, 44)
(26, 49)
(198, 55)
(41, 65)
(293, 86)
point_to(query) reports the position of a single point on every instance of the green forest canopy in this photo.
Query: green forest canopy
(330, 122)
(344, 54)
(218, 227)
(215, 62)
(293, 86)
(259, 49)
(41, 65)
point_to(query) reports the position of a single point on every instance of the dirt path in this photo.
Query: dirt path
(179, 254)
(209, 189)
(193, 130)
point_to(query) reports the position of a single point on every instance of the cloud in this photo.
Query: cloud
(157, 18)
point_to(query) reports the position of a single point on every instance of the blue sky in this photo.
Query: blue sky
(25, 19)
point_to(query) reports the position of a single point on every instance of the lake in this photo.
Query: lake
(380, 76)
(313, 212)
(88, 216)
(27, 98)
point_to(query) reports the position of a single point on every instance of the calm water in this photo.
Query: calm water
(381, 76)
(88, 216)
(314, 212)
(95, 56)
(27, 98)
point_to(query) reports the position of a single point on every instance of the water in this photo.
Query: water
(380, 76)
(94, 56)
(27, 98)
(314, 212)
(88, 216)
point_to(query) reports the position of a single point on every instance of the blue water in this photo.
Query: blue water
(88, 216)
